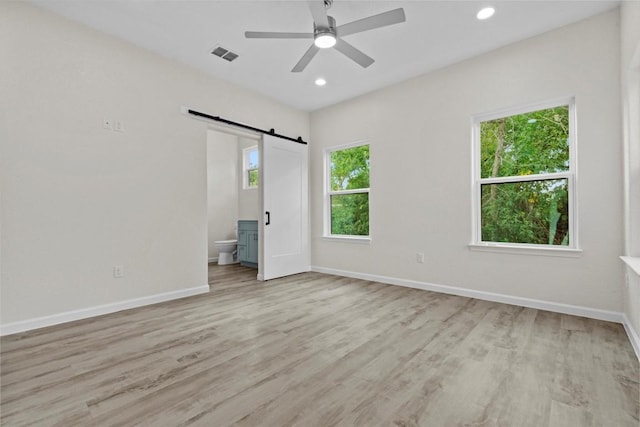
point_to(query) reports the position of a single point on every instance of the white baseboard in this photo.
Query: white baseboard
(214, 259)
(84, 313)
(632, 334)
(593, 313)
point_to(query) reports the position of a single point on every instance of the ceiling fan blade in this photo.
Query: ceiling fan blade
(391, 17)
(353, 53)
(276, 35)
(306, 58)
(319, 13)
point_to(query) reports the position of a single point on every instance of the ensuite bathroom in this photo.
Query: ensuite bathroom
(232, 198)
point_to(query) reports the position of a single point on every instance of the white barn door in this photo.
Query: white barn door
(285, 201)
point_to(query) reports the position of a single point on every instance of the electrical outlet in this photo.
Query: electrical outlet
(420, 258)
(118, 271)
(118, 126)
(107, 124)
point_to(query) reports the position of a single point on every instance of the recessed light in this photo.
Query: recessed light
(320, 81)
(485, 13)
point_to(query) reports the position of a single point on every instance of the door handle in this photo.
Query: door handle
(268, 218)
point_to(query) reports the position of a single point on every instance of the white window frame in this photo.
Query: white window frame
(328, 193)
(572, 250)
(245, 167)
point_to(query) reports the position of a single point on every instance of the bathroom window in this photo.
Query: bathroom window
(251, 161)
(524, 178)
(347, 191)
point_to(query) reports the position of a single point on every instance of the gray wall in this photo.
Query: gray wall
(630, 72)
(222, 188)
(78, 199)
(420, 138)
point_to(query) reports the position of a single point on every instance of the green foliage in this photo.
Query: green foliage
(525, 144)
(253, 177)
(350, 214)
(252, 164)
(350, 168)
(526, 212)
(350, 171)
(530, 211)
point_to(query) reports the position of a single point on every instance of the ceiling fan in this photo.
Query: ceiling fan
(326, 34)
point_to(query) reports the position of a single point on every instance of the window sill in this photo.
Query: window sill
(632, 262)
(348, 239)
(526, 250)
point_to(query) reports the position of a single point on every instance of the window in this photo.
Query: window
(251, 165)
(524, 177)
(347, 195)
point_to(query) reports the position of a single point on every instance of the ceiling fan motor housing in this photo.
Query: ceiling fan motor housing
(321, 30)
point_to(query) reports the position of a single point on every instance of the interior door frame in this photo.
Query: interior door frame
(258, 137)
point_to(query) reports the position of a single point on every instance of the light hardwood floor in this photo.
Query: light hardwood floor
(319, 350)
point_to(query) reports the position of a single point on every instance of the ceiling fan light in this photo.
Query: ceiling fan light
(325, 40)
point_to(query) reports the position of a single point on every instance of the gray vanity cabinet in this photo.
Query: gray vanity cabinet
(248, 243)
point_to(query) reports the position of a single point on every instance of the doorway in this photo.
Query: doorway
(278, 203)
(230, 198)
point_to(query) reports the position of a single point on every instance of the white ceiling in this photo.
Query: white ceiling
(436, 33)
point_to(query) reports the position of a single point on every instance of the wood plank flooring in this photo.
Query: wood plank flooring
(320, 350)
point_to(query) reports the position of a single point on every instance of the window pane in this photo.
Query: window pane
(252, 159)
(525, 144)
(350, 168)
(253, 178)
(534, 212)
(350, 214)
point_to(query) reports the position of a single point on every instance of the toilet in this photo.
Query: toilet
(227, 251)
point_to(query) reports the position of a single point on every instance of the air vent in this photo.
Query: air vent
(224, 53)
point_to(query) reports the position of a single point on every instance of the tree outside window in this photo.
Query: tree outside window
(251, 162)
(348, 191)
(524, 187)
